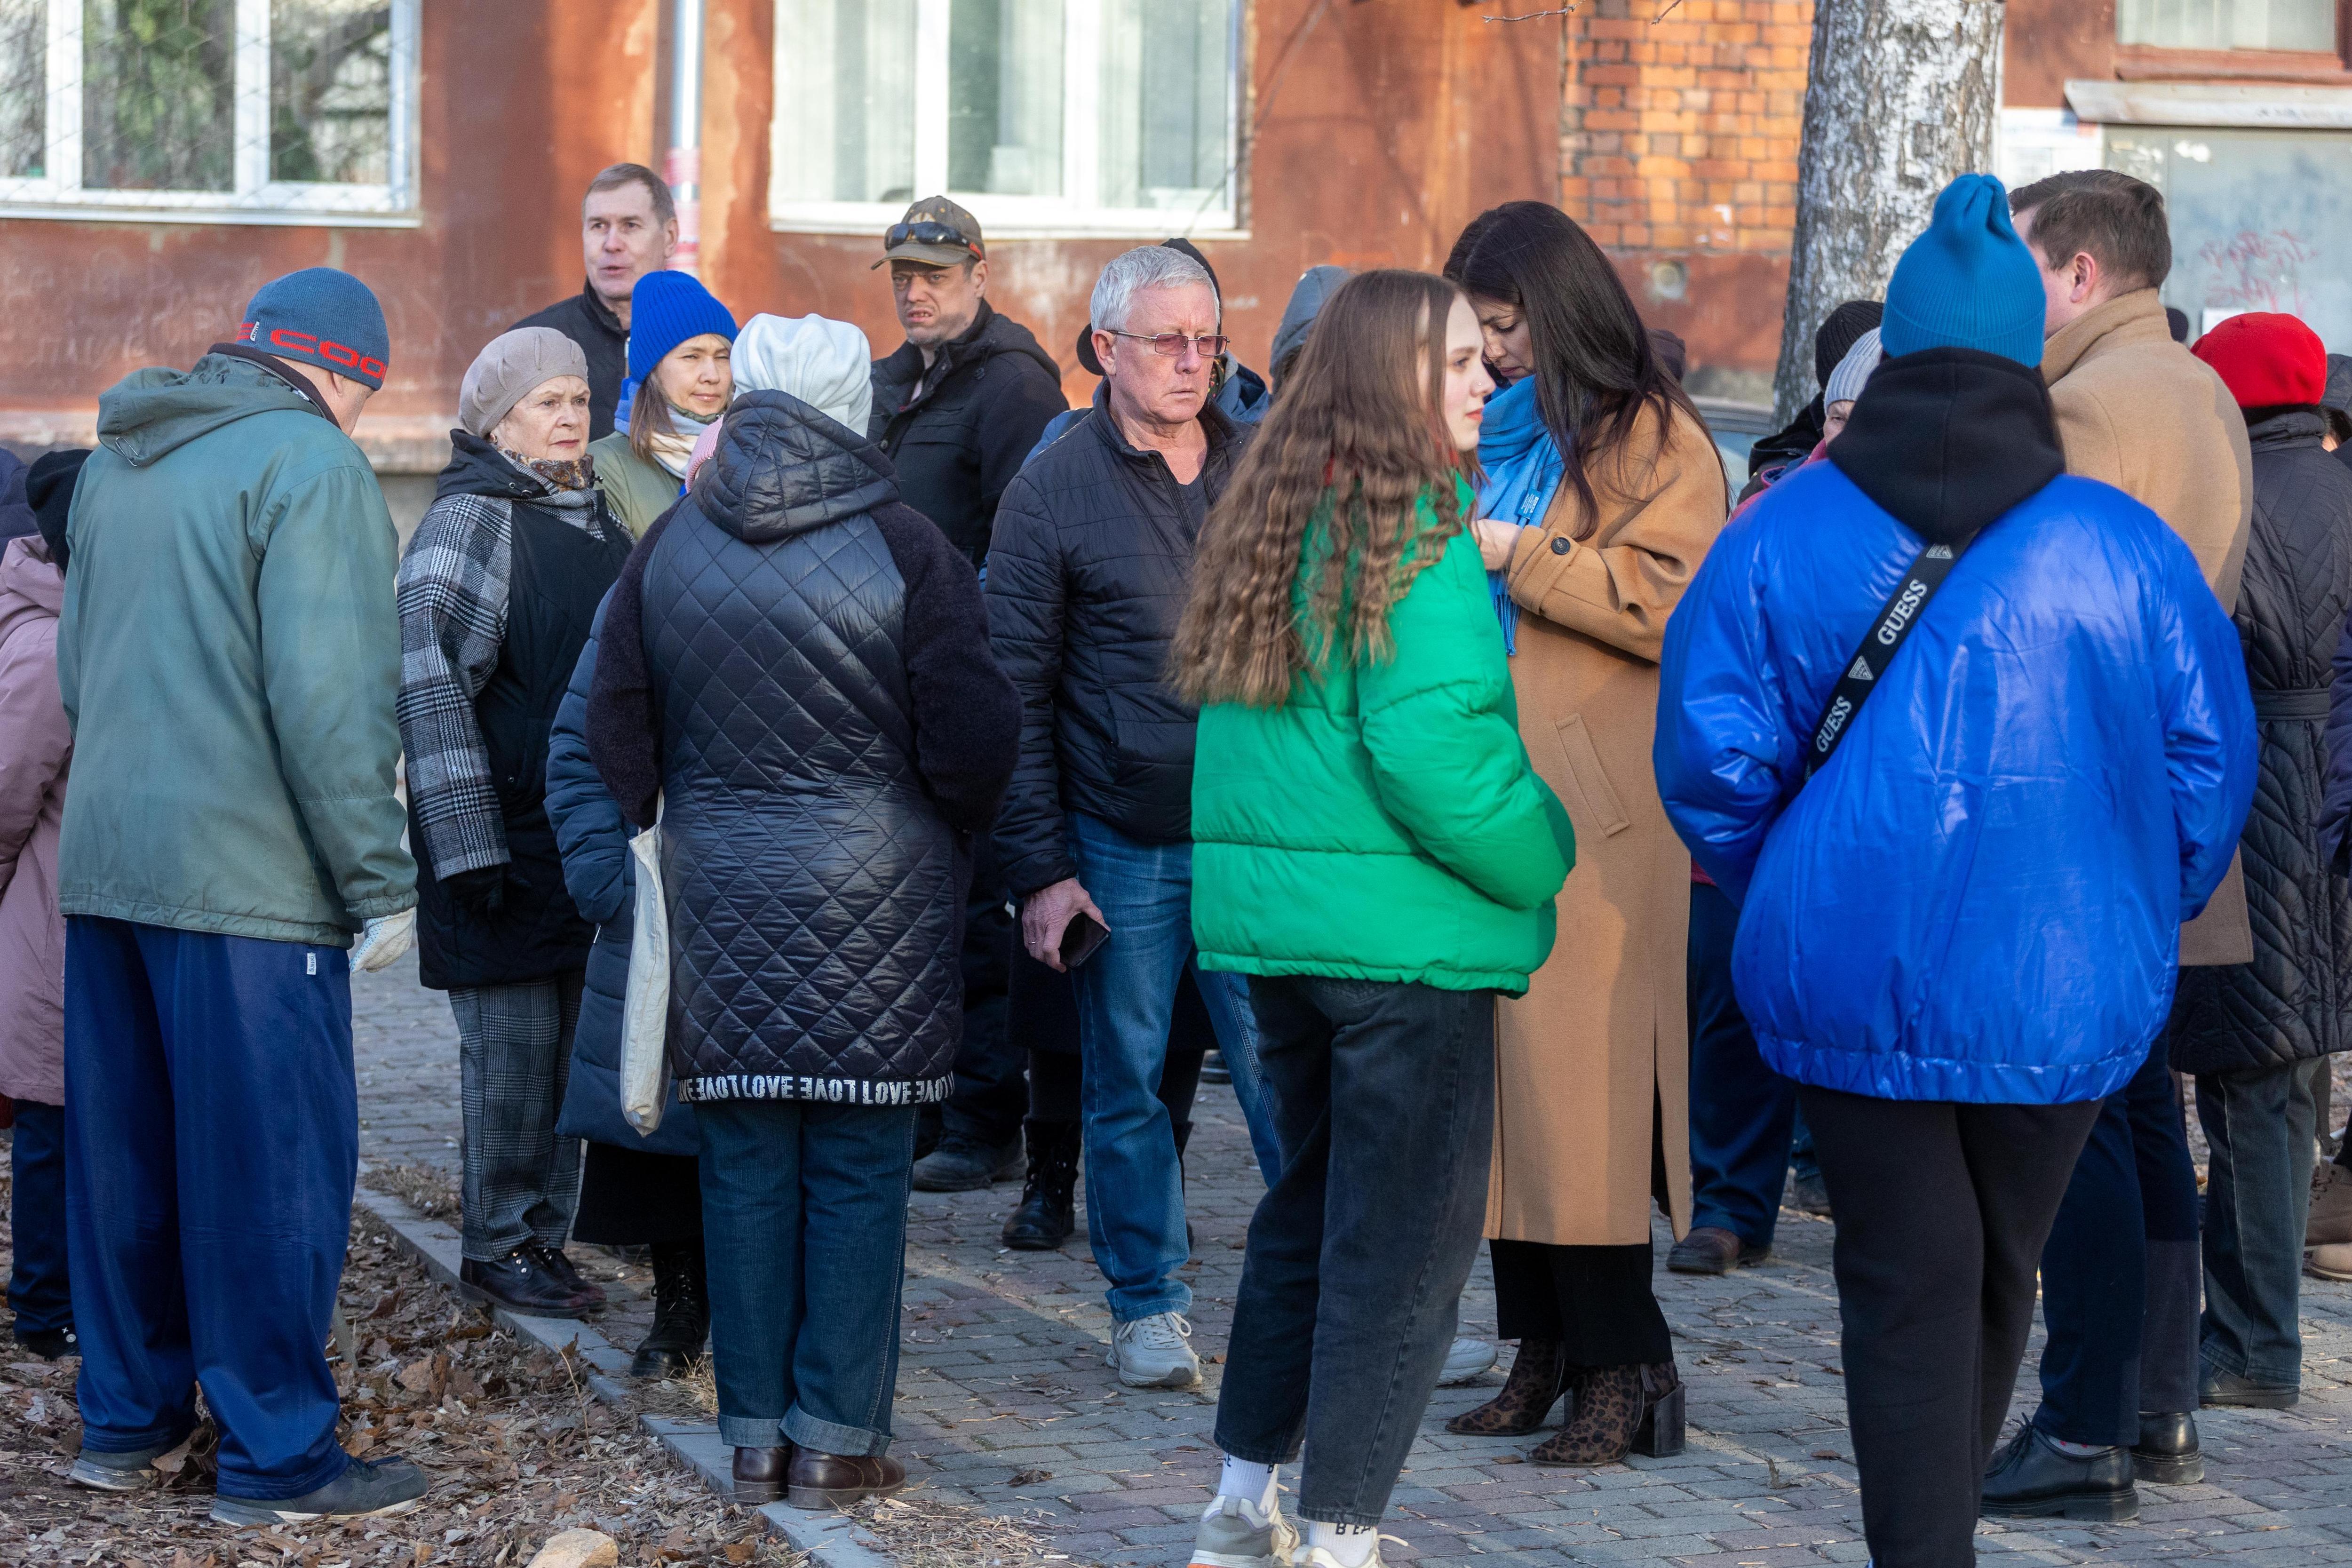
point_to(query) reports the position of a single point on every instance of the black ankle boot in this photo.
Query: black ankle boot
(1047, 1212)
(681, 1311)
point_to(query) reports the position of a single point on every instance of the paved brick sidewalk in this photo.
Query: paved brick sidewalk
(1004, 1402)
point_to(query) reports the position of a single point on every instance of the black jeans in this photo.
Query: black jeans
(2119, 1274)
(2262, 1128)
(37, 1291)
(1942, 1212)
(1385, 1098)
(989, 1098)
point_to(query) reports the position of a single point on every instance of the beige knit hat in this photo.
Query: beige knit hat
(511, 369)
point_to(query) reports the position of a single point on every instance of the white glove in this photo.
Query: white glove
(385, 940)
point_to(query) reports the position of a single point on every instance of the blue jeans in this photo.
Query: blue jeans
(805, 1236)
(2119, 1273)
(1741, 1112)
(1135, 1189)
(1357, 1253)
(2262, 1129)
(37, 1292)
(212, 1143)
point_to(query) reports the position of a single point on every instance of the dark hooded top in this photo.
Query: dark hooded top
(958, 431)
(798, 665)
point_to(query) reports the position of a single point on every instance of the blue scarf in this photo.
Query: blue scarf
(1523, 468)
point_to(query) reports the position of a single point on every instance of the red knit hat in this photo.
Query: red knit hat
(2266, 359)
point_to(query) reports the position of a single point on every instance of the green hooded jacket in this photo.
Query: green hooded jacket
(1385, 821)
(229, 657)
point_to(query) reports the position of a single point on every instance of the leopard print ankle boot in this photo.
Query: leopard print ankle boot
(1618, 1410)
(1538, 1377)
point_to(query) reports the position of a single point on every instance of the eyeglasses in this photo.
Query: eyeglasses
(1212, 345)
(929, 231)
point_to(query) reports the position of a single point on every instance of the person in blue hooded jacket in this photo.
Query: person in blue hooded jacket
(1961, 933)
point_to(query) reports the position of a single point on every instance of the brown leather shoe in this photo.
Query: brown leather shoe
(1538, 1377)
(836, 1481)
(1711, 1249)
(759, 1474)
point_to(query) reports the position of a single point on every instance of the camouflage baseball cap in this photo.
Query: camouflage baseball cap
(935, 232)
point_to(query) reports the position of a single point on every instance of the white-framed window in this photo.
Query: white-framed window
(297, 111)
(2308, 24)
(1040, 117)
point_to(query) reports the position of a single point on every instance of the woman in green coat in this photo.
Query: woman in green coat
(1373, 849)
(681, 341)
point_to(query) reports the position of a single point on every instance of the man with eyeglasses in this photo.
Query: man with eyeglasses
(957, 408)
(1086, 583)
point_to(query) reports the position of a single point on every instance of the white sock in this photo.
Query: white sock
(1243, 1480)
(1350, 1545)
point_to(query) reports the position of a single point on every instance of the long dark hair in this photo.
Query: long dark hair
(1596, 369)
(1359, 422)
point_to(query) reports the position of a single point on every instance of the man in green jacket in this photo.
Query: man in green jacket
(228, 656)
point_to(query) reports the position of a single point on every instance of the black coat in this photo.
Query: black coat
(958, 433)
(799, 664)
(2293, 1002)
(587, 320)
(556, 575)
(1089, 578)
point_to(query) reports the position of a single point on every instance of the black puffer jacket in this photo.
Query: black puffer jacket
(799, 664)
(2293, 1002)
(1092, 564)
(958, 432)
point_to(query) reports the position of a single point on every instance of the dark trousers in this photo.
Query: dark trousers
(1595, 1300)
(1741, 1112)
(631, 1198)
(1384, 1101)
(2262, 1129)
(804, 1239)
(38, 1292)
(989, 1098)
(2119, 1274)
(1942, 1213)
(212, 1143)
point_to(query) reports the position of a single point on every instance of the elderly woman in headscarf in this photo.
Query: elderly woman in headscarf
(794, 667)
(496, 596)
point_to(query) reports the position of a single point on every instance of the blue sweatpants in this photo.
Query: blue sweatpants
(211, 1136)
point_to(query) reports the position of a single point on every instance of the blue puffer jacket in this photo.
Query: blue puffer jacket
(601, 876)
(1978, 897)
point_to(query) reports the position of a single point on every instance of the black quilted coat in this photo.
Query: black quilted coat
(799, 664)
(1087, 580)
(2293, 1002)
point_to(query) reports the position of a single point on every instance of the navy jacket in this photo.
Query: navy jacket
(1979, 898)
(601, 875)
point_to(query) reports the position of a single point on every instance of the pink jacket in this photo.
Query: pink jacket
(35, 747)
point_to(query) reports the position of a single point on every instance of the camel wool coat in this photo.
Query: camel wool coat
(2137, 410)
(1600, 1046)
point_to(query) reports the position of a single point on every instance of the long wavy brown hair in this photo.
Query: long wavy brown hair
(1358, 426)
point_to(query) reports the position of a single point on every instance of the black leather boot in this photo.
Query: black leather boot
(2168, 1453)
(1047, 1212)
(2033, 1478)
(681, 1313)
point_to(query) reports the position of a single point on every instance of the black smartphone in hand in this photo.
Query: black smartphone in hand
(1081, 939)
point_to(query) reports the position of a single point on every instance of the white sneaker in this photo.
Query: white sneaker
(1322, 1557)
(1234, 1533)
(1151, 1352)
(1467, 1362)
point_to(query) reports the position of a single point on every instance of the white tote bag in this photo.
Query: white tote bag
(645, 1007)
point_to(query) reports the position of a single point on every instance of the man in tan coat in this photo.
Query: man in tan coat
(2121, 1273)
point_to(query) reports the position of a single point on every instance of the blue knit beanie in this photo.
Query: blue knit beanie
(323, 317)
(664, 310)
(1969, 282)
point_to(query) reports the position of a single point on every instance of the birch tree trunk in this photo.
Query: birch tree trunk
(1900, 98)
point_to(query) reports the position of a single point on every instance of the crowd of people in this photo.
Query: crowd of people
(1536, 835)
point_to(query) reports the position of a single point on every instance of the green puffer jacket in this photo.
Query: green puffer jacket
(229, 655)
(1385, 823)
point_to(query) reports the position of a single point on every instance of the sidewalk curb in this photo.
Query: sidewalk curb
(835, 1539)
